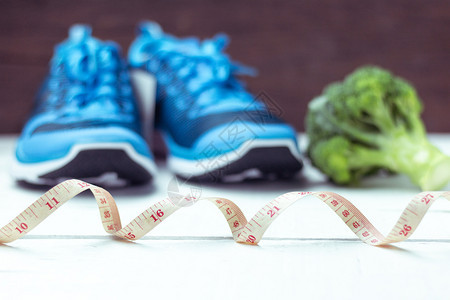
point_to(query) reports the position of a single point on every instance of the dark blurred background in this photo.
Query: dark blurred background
(297, 46)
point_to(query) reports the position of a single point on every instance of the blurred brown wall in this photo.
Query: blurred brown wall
(298, 46)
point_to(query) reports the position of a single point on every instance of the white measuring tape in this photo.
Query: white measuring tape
(249, 232)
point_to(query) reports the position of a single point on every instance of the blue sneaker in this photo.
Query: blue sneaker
(85, 123)
(213, 128)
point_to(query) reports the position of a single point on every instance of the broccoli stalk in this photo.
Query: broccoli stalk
(368, 122)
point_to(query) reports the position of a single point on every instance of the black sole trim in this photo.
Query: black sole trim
(93, 163)
(272, 163)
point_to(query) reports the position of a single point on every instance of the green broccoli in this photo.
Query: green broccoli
(368, 122)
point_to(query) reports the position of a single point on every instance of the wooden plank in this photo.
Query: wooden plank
(298, 47)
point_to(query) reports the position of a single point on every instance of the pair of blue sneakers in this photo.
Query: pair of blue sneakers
(87, 122)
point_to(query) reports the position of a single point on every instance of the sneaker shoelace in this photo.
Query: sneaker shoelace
(201, 72)
(85, 72)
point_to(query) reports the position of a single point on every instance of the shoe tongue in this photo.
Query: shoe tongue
(151, 29)
(79, 33)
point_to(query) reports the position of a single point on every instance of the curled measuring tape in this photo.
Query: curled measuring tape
(249, 232)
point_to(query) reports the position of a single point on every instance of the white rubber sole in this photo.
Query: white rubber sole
(193, 168)
(33, 172)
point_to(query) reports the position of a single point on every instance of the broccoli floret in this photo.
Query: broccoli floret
(368, 122)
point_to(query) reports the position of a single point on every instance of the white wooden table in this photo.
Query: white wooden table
(307, 253)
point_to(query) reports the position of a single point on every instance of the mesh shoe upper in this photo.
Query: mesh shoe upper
(86, 91)
(198, 89)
